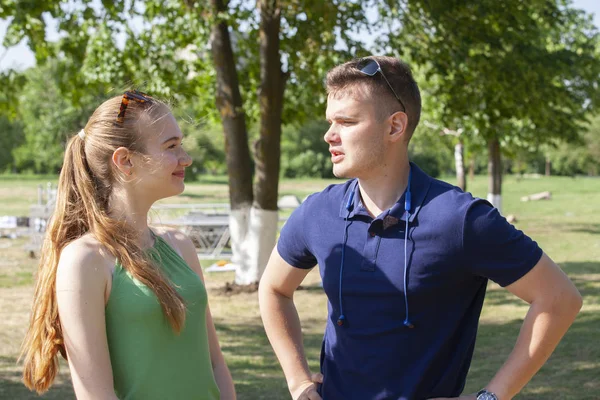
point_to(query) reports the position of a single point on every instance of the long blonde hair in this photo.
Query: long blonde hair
(84, 188)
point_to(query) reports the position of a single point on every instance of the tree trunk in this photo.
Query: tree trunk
(230, 106)
(272, 86)
(548, 166)
(264, 214)
(472, 168)
(253, 219)
(459, 163)
(233, 118)
(495, 174)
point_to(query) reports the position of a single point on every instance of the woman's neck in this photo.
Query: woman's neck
(134, 213)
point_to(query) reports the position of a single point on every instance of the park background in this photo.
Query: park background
(511, 87)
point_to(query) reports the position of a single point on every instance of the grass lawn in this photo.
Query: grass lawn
(567, 227)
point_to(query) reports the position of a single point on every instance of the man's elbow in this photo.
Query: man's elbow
(268, 291)
(265, 285)
(569, 303)
(576, 301)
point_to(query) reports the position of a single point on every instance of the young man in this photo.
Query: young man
(405, 261)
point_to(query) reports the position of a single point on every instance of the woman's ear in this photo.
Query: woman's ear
(121, 158)
(398, 124)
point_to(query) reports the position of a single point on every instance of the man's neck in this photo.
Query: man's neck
(380, 192)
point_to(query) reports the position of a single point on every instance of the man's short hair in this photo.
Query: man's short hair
(347, 79)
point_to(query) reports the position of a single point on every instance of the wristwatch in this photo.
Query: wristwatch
(484, 394)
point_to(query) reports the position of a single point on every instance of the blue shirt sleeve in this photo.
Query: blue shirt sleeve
(292, 246)
(494, 248)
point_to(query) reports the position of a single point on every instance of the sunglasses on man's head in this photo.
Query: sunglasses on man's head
(370, 67)
(134, 95)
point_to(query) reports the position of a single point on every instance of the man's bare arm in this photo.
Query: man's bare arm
(555, 302)
(280, 318)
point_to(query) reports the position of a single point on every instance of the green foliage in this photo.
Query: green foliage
(432, 152)
(567, 159)
(11, 83)
(524, 72)
(304, 153)
(166, 52)
(11, 136)
(204, 143)
(48, 118)
(316, 36)
(164, 47)
(573, 159)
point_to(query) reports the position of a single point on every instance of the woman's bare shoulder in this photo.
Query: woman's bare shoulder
(181, 243)
(84, 258)
(169, 233)
(177, 239)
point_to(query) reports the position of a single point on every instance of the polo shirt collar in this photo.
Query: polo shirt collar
(420, 183)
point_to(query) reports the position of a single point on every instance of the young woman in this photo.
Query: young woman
(124, 304)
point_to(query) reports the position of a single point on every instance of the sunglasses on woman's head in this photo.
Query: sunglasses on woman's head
(134, 95)
(370, 67)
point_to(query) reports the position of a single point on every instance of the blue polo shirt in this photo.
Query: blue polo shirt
(455, 244)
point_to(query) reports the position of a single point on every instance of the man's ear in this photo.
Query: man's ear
(398, 125)
(121, 158)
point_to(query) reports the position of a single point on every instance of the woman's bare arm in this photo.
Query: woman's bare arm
(81, 281)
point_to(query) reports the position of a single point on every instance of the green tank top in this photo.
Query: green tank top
(149, 361)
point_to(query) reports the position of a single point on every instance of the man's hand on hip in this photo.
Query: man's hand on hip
(307, 390)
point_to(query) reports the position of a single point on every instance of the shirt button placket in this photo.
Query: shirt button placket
(370, 251)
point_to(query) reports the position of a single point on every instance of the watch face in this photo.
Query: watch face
(487, 396)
